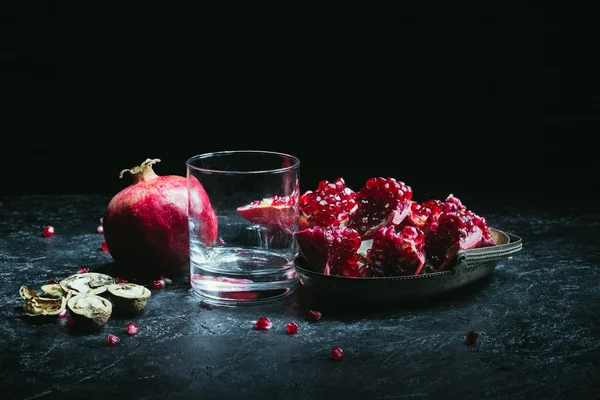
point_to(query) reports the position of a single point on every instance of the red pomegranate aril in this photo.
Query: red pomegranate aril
(103, 246)
(113, 340)
(62, 314)
(471, 337)
(336, 353)
(121, 280)
(132, 328)
(83, 270)
(292, 328)
(168, 281)
(100, 229)
(52, 282)
(264, 323)
(312, 315)
(48, 231)
(157, 284)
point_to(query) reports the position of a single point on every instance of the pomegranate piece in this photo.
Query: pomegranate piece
(168, 281)
(275, 211)
(132, 328)
(103, 246)
(336, 353)
(312, 315)
(63, 313)
(471, 337)
(157, 284)
(419, 214)
(328, 206)
(120, 280)
(264, 323)
(330, 251)
(395, 254)
(100, 229)
(381, 202)
(83, 270)
(113, 340)
(48, 231)
(451, 228)
(292, 328)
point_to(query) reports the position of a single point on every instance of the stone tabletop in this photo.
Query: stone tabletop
(537, 317)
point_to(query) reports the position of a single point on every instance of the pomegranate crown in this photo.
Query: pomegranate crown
(143, 171)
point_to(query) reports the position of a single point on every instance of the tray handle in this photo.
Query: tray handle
(473, 257)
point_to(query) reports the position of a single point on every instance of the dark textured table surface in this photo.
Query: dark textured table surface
(537, 316)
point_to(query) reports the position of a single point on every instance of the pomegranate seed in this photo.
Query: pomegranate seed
(62, 314)
(336, 353)
(292, 328)
(132, 328)
(48, 231)
(83, 270)
(100, 229)
(157, 284)
(103, 246)
(313, 315)
(121, 280)
(471, 337)
(113, 340)
(167, 280)
(264, 323)
(52, 282)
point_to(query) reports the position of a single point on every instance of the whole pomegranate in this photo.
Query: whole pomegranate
(146, 224)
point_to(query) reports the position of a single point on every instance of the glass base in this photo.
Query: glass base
(243, 277)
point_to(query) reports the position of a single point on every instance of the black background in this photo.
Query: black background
(491, 103)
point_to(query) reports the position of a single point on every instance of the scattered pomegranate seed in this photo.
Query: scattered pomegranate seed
(103, 246)
(167, 280)
(157, 284)
(52, 282)
(471, 337)
(48, 231)
(292, 328)
(113, 340)
(132, 328)
(313, 315)
(264, 323)
(336, 353)
(121, 280)
(83, 270)
(62, 314)
(100, 229)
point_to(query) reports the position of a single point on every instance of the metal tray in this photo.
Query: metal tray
(469, 266)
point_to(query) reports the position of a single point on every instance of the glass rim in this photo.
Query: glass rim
(188, 162)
